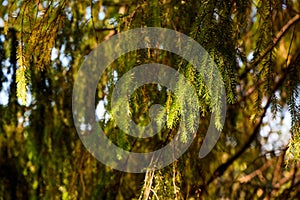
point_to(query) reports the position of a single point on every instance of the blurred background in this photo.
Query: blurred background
(256, 47)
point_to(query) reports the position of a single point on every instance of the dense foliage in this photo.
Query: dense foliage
(255, 45)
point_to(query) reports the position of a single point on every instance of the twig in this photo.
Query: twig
(154, 194)
(147, 185)
(290, 46)
(259, 171)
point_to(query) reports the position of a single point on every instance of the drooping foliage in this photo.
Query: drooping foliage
(255, 45)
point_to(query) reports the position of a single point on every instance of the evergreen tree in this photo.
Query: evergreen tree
(255, 45)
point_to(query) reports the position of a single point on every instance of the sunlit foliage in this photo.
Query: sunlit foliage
(255, 45)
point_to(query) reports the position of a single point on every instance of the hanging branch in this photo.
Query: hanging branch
(223, 167)
(278, 37)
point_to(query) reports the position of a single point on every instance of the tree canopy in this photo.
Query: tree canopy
(255, 46)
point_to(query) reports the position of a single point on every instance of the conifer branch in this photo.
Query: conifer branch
(223, 167)
(278, 37)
